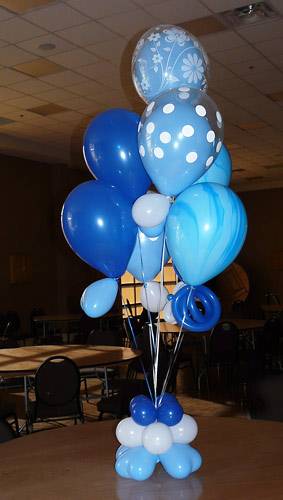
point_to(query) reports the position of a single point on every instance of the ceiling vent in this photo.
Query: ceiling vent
(252, 13)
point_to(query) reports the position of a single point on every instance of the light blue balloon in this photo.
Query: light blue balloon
(180, 460)
(154, 231)
(180, 136)
(122, 448)
(98, 298)
(205, 230)
(146, 259)
(220, 170)
(136, 463)
(167, 57)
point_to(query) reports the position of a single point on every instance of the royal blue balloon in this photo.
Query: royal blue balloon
(220, 170)
(205, 230)
(167, 57)
(169, 412)
(110, 149)
(167, 397)
(98, 225)
(180, 136)
(187, 313)
(181, 460)
(98, 298)
(142, 410)
(146, 260)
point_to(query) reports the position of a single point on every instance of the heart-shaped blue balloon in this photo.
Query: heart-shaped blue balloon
(205, 230)
(98, 225)
(111, 152)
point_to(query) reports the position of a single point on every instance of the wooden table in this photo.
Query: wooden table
(24, 361)
(242, 460)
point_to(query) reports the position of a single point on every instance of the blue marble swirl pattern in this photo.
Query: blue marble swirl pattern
(205, 230)
(167, 57)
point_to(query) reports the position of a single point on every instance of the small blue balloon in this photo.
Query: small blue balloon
(167, 57)
(122, 448)
(187, 313)
(167, 397)
(220, 170)
(98, 298)
(180, 136)
(136, 463)
(170, 412)
(111, 153)
(146, 260)
(180, 460)
(154, 231)
(205, 230)
(98, 225)
(122, 464)
(142, 410)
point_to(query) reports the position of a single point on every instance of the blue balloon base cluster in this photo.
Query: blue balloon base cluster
(137, 463)
(162, 435)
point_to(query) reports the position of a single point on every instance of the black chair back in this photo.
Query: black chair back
(223, 343)
(57, 381)
(271, 336)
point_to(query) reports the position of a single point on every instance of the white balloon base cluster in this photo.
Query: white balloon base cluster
(144, 446)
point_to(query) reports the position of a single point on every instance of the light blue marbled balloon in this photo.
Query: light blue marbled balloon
(180, 135)
(167, 57)
(146, 260)
(205, 230)
(98, 298)
(220, 170)
(181, 460)
(136, 463)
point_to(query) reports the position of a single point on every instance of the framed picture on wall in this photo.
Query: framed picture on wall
(20, 268)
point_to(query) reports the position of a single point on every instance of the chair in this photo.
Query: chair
(265, 397)
(9, 424)
(57, 392)
(271, 344)
(222, 352)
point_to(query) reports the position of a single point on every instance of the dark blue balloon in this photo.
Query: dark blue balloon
(187, 313)
(170, 411)
(142, 410)
(111, 152)
(98, 225)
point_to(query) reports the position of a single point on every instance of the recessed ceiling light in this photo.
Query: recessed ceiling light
(251, 13)
(47, 46)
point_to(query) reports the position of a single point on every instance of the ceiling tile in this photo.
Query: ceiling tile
(216, 41)
(262, 31)
(31, 86)
(102, 69)
(25, 102)
(276, 96)
(77, 103)
(56, 95)
(21, 6)
(16, 30)
(69, 117)
(252, 66)
(86, 34)
(111, 50)
(74, 58)
(271, 47)
(39, 67)
(204, 26)
(11, 55)
(8, 76)
(35, 45)
(177, 11)
(56, 17)
(5, 121)
(3, 44)
(88, 89)
(64, 79)
(5, 14)
(236, 55)
(8, 93)
(129, 24)
(104, 8)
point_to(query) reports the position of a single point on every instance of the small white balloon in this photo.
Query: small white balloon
(157, 438)
(185, 431)
(150, 210)
(153, 296)
(129, 433)
(168, 315)
(178, 287)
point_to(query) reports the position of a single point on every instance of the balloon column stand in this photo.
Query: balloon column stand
(156, 434)
(114, 224)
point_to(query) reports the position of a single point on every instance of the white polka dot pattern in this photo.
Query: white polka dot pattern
(150, 127)
(158, 153)
(209, 161)
(218, 147)
(165, 137)
(200, 110)
(188, 130)
(168, 108)
(219, 118)
(149, 108)
(210, 136)
(142, 150)
(191, 157)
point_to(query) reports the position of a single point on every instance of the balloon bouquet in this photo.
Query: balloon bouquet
(114, 223)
